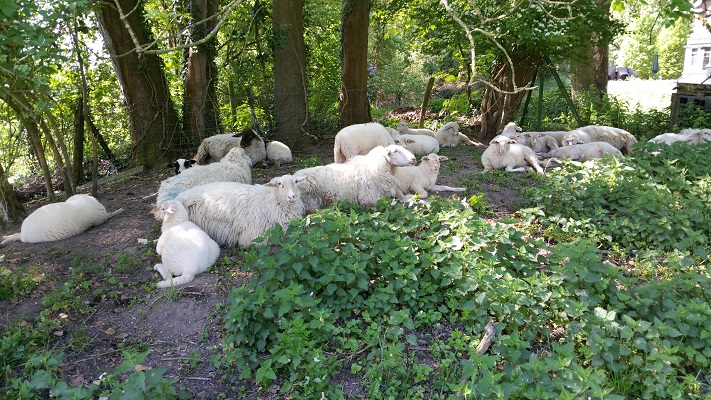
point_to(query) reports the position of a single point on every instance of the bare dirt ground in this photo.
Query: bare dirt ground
(121, 310)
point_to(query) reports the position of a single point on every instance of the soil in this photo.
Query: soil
(181, 327)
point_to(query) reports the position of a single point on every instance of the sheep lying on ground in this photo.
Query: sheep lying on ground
(417, 144)
(214, 148)
(253, 146)
(504, 152)
(542, 143)
(620, 138)
(57, 221)
(510, 130)
(583, 151)
(359, 139)
(181, 165)
(449, 136)
(421, 178)
(237, 213)
(363, 179)
(278, 152)
(184, 248)
(692, 136)
(234, 167)
(404, 129)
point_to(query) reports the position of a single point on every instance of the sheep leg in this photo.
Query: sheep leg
(421, 191)
(511, 168)
(442, 188)
(177, 281)
(164, 273)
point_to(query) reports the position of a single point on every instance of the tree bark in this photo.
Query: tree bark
(497, 108)
(590, 72)
(11, 208)
(353, 105)
(155, 129)
(201, 112)
(290, 102)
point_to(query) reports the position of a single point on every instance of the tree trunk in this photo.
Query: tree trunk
(79, 136)
(11, 208)
(353, 105)
(497, 108)
(290, 103)
(590, 72)
(153, 121)
(201, 112)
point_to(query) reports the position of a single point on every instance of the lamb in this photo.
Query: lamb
(583, 151)
(234, 167)
(184, 248)
(363, 179)
(278, 152)
(620, 138)
(692, 136)
(417, 144)
(557, 135)
(181, 165)
(57, 221)
(542, 143)
(449, 136)
(404, 129)
(506, 153)
(510, 130)
(359, 139)
(419, 179)
(214, 148)
(237, 213)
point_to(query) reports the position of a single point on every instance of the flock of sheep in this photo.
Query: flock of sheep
(211, 201)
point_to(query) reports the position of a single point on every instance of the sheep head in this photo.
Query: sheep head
(286, 187)
(432, 161)
(402, 127)
(510, 129)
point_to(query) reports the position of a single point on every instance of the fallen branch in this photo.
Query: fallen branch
(487, 339)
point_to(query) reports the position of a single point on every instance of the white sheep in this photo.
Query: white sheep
(692, 136)
(181, 165)
(504, 152)
(583, 151)
(404, 129)
(363, 179)
(557, 135)
(359, 139)
(234, 167)
(57, 221)
(510, 130)
(541, 142)
(237, 213)
(278, 152)
(214, 148)
(620, 138)
(449, 136)
(417, 144)
(421, 178)
(185, 249)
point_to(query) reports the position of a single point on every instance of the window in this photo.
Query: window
(694, 56)
(707, 56)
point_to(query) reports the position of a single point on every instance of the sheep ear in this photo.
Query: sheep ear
(409, 141)
(299, 178)
(443, 158)
(171, 209)
(192, 162)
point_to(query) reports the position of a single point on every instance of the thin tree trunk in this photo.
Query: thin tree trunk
(79, 136)
(11, 208)
(353, 105)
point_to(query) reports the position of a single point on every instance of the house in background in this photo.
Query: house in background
(694, 85)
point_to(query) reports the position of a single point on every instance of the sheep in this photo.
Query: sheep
(692, 136)
(359, 139)
(57, 221)
(181, 165)
(506, 152)
(214, 148)
(510, 130)
(253, 145)
(542, 143)
(363, 179)
(237, 213)
(278, 152)
(234, 167)
(417, 144)
(419, 179)
(583, 151)
(404, 129)
(557, 135)
(620, 138)
(185, 249)
(449, 136)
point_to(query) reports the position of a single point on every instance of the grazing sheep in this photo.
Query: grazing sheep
(449, 136)
(359, 139)
(421, 178)
(184, 248)
(237, 213)
(583, 151)
(234, 167)
(363, 179)
(692, 136)
(181, 165)
(620, 138)
(57, 221)
(278, 152)
(214, 148)
(417, 144)
(506, 153)
(253, 146)
(404, 129)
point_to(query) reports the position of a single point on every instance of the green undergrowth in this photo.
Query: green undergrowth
(396, 299)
